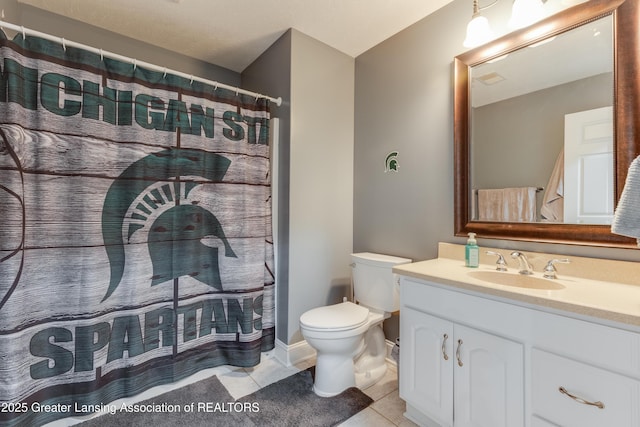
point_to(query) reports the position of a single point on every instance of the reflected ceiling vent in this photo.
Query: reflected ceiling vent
(490, 78)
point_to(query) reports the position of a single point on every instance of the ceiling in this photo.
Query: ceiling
(232, 34)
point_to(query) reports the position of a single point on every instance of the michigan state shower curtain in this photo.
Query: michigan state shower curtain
(135, 230)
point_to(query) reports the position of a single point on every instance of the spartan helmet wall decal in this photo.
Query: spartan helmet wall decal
(391, 162)
(174, 241)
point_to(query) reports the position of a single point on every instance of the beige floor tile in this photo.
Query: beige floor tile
(269, 371)
(386, 385)
(407, 423)
(238, 383)
(306, 364)
(367, 418)
(391, 407)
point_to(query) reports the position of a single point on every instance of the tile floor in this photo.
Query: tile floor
(385, 411)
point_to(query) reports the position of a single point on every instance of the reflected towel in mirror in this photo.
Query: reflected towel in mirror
(626, 219)
(516, 204)
(552, 209)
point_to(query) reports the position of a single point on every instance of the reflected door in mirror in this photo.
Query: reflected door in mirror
(588, 167)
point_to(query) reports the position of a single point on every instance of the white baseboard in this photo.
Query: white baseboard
(298, 352)
(295, 353)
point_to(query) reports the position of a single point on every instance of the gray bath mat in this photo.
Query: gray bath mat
(288, 402)
(292, 402)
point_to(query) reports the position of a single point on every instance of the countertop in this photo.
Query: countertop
(609, 301)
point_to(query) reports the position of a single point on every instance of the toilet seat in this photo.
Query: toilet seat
(336, 317)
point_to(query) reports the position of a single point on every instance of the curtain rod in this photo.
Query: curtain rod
(25, 31)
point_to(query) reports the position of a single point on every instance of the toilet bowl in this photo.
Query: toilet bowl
(337, 333)
(348, 337)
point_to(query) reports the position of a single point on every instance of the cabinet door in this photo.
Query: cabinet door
(426, 364)
(489, 386)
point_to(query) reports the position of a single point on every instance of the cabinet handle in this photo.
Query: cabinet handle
(581, 400)
(458, 353)
(444, 348)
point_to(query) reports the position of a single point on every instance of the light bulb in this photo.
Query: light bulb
(478, 32)
(525, 13)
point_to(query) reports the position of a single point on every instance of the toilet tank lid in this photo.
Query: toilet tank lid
(378, 259)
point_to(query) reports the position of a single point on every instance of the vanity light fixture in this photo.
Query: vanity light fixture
(523, 13)
(478, 30)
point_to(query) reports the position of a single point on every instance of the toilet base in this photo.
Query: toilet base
(334, 374)
(370, 377)
(371, 364)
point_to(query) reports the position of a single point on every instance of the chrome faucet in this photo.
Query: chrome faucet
(525, 267)
(549, 271)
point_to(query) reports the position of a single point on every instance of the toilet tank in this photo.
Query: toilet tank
(374, 284)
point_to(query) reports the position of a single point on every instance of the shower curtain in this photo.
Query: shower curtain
(135, 230)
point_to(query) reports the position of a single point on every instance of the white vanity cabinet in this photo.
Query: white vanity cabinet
(521, 366)
(455, 375)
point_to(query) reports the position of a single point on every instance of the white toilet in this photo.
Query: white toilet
(348, 337)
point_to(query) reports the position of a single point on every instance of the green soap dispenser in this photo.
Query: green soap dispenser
(471, 252)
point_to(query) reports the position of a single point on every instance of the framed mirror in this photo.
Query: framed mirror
(520, 104)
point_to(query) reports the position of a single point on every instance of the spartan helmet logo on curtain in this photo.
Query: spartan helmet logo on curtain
(175, 235)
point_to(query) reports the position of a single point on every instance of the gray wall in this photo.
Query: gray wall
(271, 73)
(404, 102)
(321, 177)
(316, 167)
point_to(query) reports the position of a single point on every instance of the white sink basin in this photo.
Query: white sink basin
(517, 280)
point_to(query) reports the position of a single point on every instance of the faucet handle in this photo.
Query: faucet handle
(501, 264)
(549, 271)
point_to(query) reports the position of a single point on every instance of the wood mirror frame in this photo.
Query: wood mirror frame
(626, 40)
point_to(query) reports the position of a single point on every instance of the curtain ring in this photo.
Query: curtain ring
(64, 45)
(191, 81)
(135, 64)
(164, 74)
(24, 35)
(101, 55)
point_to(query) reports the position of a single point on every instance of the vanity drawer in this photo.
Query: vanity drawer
(619, 395)
(591, 343)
